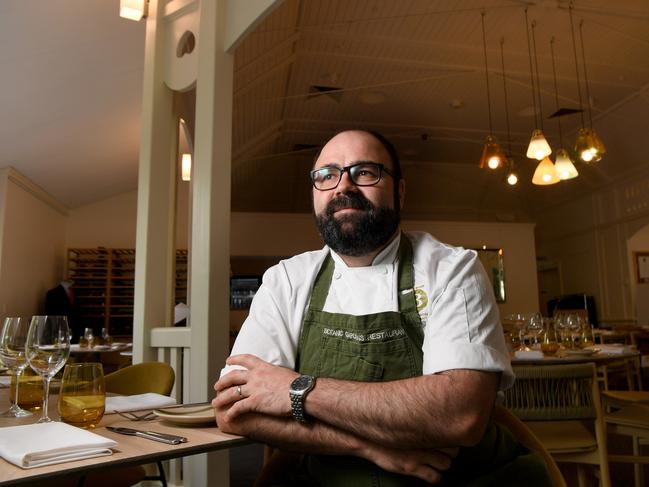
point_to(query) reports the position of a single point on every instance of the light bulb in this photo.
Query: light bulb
(512, 179)
(493, 162)
(586, 155)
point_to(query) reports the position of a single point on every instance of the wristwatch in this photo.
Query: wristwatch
(300, 387)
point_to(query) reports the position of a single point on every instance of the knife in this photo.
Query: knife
(150, 435)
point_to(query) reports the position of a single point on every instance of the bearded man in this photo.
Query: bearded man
(379, 357)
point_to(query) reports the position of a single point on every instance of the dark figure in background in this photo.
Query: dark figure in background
(59, 301)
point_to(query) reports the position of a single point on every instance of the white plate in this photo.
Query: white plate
(100, 347)
(187, 415)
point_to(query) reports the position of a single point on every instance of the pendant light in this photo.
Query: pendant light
(538, 147)
(585, 149)
(597, 148)
(545, 173)
(562, 162)
(512, 176)
(492, 154)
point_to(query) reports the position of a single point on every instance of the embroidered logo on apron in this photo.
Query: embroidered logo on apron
(363, 337)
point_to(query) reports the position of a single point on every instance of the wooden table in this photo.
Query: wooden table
(598, 358)
(130, 450)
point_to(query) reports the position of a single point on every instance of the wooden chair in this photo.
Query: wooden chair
(628, 415)
(527, 438)
(561, 405)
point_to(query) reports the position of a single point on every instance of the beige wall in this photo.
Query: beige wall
(32, 253)
(590, 243)
(112, 223)
(639, 242)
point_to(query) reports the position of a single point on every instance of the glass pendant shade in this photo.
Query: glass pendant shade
(598, 148)
(492, 155)
(585, 149)
(563, 165)
(545, 173)
(539, 147)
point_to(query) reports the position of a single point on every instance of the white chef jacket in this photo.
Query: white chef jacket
(458, 311)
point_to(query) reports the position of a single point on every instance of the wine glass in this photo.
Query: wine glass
(535, 327)
(519, 323)
(48, 348)
(12, 353)
(574, 323)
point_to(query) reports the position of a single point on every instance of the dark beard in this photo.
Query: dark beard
(357, 234)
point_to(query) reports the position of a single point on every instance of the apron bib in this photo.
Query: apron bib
(381, 347)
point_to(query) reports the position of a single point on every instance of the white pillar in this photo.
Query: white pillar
(154, 246)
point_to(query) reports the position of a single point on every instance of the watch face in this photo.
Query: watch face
(301, 383)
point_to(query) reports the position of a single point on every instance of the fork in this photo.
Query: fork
(138, 417)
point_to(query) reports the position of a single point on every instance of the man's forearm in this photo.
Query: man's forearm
(449, 409)
(319, 438)
(288, 434)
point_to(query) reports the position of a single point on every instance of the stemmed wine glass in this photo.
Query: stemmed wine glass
(48, 348)
(12, 353)
(535, 326)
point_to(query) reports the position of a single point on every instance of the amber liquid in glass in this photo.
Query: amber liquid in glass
(30, 392)
(82, 411)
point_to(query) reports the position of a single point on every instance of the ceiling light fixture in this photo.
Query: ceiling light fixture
(492, 154)
(545, 173)
(562, 162)
(585, 146)
(538, 147)
(512, 177)
(133, 9)
(186, 167)
(597, 148)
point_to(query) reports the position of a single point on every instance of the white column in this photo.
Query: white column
(154, 246)
(210, 233)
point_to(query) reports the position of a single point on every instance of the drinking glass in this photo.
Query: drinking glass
(106, 338)
(519, 322)
(574, 323)
(48, 347)
(535, 328)
(12, 352)
(82, 397)
(549, 344)
(88, 338)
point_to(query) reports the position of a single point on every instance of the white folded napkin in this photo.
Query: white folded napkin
(39, 444)
(615, 348)
(150, 400)
(529, 354)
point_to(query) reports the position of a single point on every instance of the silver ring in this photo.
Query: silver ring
(239, 390)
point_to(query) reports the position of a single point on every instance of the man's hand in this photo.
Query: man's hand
(426, 464)
(262, 388)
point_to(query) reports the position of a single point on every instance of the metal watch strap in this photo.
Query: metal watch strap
(297, 405)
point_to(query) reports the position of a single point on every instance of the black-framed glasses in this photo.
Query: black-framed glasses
(361, 174)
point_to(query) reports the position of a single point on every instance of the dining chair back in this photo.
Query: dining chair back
(141, 378)
(527, 438)
(561, 405)
(627, 414)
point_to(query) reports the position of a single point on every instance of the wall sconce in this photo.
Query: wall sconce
(133, 9)
(186, 167)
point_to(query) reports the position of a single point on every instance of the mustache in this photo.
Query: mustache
(355, 201)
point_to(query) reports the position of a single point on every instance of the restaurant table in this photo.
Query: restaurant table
(599, 358)
(130, 450)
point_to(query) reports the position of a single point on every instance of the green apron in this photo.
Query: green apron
(381, 347)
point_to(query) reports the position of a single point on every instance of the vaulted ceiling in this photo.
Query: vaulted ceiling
(414, 70)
